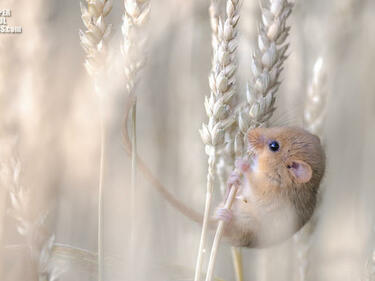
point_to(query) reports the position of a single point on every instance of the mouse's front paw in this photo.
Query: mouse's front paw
(224, 214)
(242, 165)
(234, 179)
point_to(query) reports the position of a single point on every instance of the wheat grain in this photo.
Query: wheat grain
(214, 12)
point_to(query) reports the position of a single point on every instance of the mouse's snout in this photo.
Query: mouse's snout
(256, 139)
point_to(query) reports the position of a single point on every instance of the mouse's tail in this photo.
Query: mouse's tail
(177, 204)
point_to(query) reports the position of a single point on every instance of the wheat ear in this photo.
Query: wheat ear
(218, 107)
(266, 66)
(224, 60)
(94, 41)
(133, 49)
(214, 12)
(38, 241)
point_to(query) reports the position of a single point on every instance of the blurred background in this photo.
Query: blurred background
(50, 144)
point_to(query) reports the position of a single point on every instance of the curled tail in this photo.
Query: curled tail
(177, 204)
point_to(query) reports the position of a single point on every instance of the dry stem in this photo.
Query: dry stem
(100, 192)
(237, 263)
(218, 235)
(210, 185)
(314, 116)
(314, 113)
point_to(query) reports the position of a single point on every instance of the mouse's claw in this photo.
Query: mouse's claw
(234, 179)
(242, 165)
(224, 214)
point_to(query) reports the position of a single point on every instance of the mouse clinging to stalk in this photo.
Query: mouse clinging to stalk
(278, 185)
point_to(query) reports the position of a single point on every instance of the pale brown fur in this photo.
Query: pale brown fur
(278, 192)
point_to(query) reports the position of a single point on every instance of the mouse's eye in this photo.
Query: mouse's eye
(274, 146)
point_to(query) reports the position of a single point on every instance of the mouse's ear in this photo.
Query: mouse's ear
(300, 170)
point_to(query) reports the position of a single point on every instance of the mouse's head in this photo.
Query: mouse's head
(286, 157)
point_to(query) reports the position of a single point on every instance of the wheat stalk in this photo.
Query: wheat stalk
(302, 242)
(94, 41)
(314, 116)
(218, 235)
(314, 113)
(237, 263)
(266, 66)
(38, 241)
(218, 105)
(369, 270)
(133, 49)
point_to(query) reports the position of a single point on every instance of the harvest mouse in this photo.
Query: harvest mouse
(277, 187)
